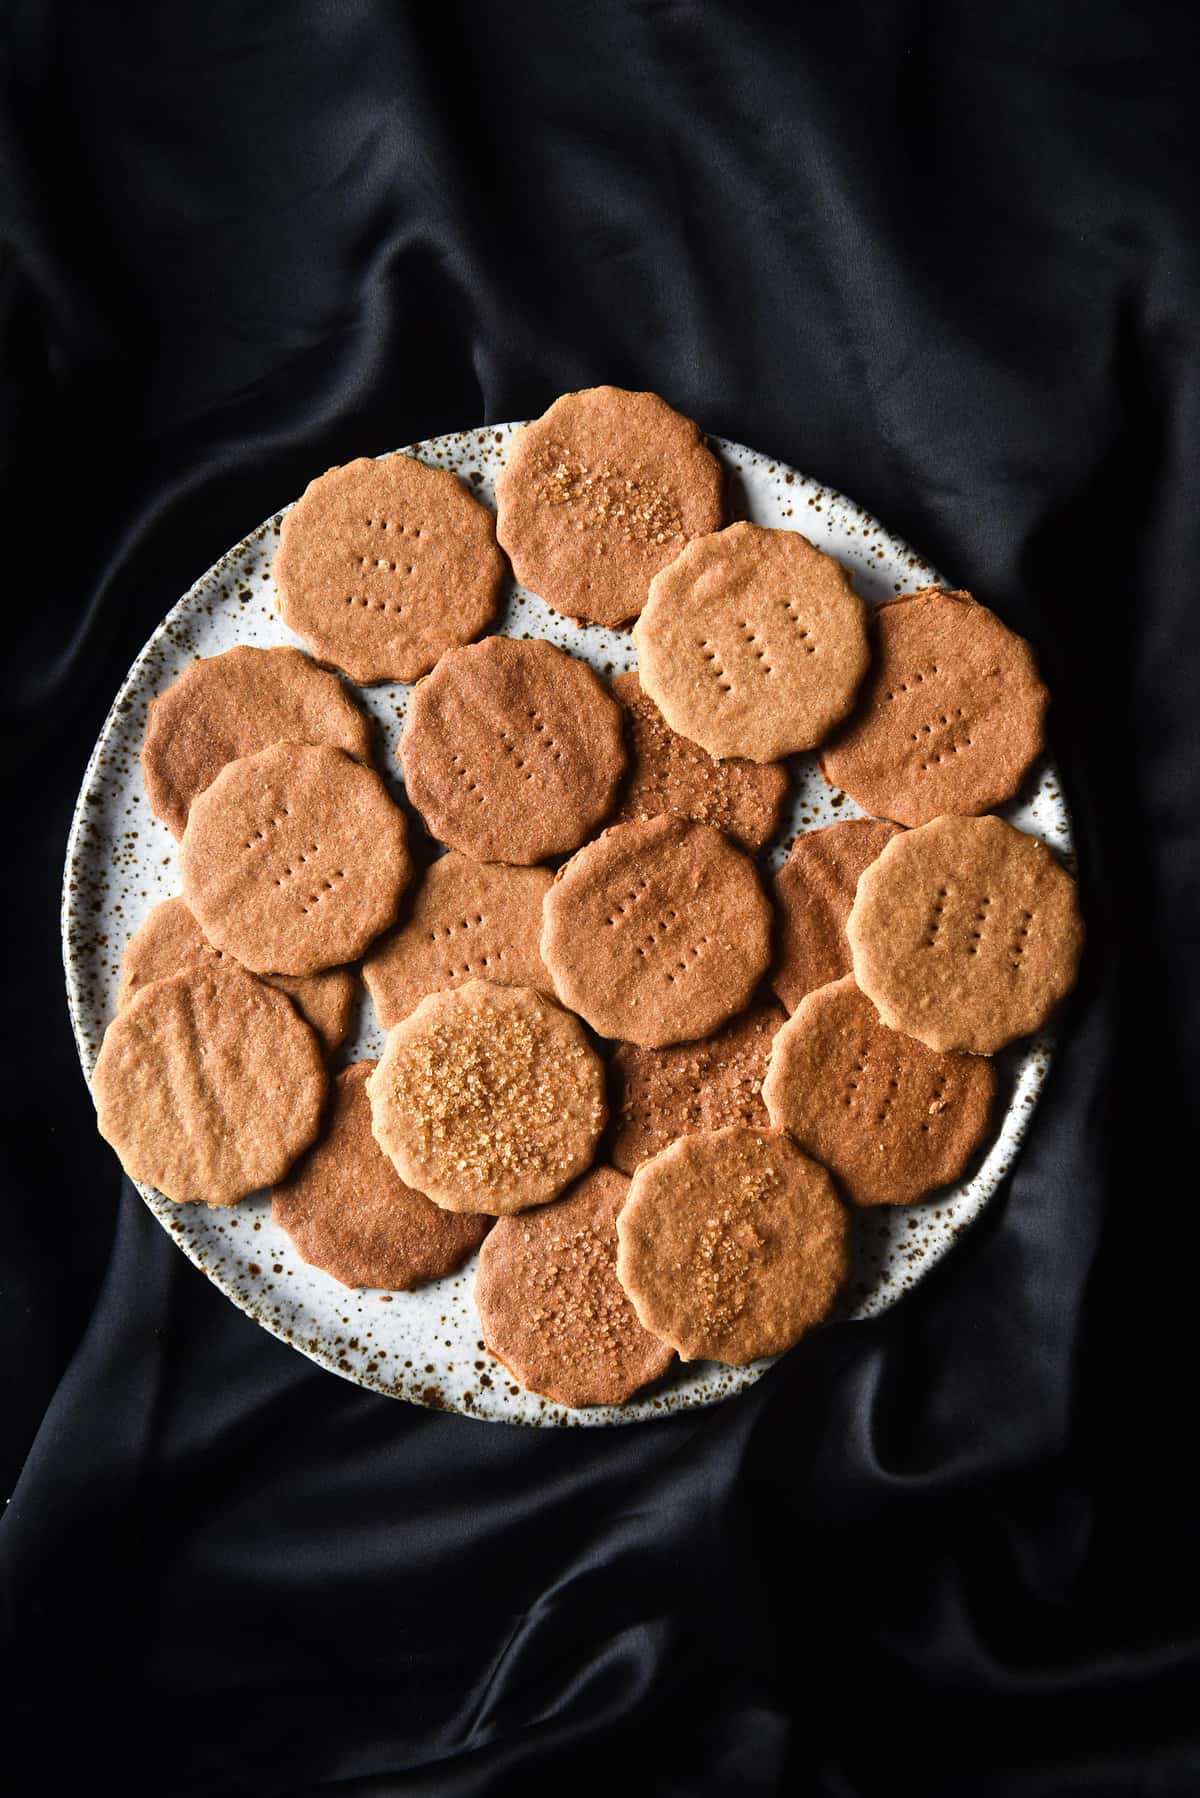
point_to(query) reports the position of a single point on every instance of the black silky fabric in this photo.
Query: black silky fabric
(943, 257)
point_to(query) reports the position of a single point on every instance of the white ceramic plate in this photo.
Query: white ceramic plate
(425, 1345)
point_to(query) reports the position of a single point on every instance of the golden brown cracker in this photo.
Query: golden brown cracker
(600, 493)
(385, 564)
(169, 941)
(752, 643)
(656, 933)
(551, 1307)
(227, 706)
(732, 1245)
(467, 920)
(965, 933)
(890, 1119)
(951, 717)
(662, 1094)
(208, 1085)
(488, 1098)
(349, 1213)
(295, 859)
(512, 750)
(668, 773)
(813, 893)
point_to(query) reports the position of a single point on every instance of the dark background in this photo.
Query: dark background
(943, 257)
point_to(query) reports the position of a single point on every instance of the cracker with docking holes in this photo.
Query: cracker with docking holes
(226, 706)
(169, 941)
(551, 1307)
(662, 1094)
(295, 859)
(657, 933)
(892, 1120)
(813, 893)
(753, 643)
(668, 773)
(384, 565)
(209, 1085)
(488, 1098)
(467, 921)
(732, 1245)
(951, 717)
(965, 933)
(512, 750)
(600, 493)
(349, 1213)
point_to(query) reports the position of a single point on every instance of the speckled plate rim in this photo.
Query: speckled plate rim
(875, 558)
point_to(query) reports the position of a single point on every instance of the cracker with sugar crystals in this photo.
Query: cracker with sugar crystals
(551, 1307)
(732, 1245)
(598, 494)
(488, 1098)
(349, 1213)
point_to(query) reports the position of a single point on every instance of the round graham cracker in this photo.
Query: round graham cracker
(349, 1213)
(656, 933)
(662, 1094)
(965, 933)
(294, 859)
(512, 750)
(951, 717)
(732, 1245)
(226, 706)
(892, 1120)
(169, 941)
(488, 1098)
(668, 773)
(813, 893)
(600, 493)
(551, 1308)
(467, 921)
(752, 643)
(208, 1085)
(384, 565)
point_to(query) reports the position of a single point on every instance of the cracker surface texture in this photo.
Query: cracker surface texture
(209, 1085)
(891, 1119)
(295, 859)
(512, 750)
(488, 1098)
(227, 706)
(384, 565)
(467, 920)
(551, 1307)
(753, 643)
(951, 717)
(656, 933)
(600, 493)
(169, 941)
(813, 893)
(669, 773)
(662, 1094)
(350, 1214)
(732, 1245)
(966, 933)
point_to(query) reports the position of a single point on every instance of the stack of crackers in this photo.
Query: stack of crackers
(646, 1083)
